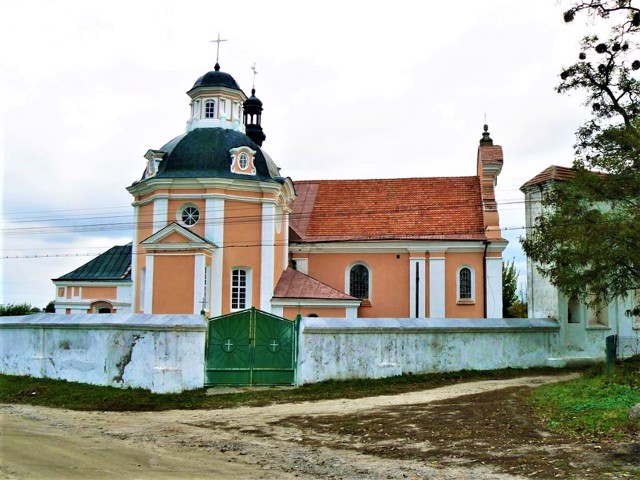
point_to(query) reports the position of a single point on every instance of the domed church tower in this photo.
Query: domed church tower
(211, 210)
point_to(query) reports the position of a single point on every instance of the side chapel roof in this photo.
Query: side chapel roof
(552, 173)
(436, 208)
(295, 284)
(114, 265)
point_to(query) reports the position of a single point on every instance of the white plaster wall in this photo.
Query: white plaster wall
(161, 353)
(373, 348)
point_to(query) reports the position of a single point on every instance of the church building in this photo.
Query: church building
(218, 228)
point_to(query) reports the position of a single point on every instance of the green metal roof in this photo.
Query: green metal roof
(113, 265)
(205, 153)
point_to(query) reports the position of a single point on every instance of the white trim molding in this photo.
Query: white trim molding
(437, 287)
(267, 256)
(160, 214)
(214, 232)
(494, 287)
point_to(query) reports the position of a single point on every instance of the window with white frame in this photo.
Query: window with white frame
(239, 288)
(359, 281)
(189, 215)
(210, 109)
(465, 282)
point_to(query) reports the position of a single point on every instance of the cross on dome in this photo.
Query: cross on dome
(218, 41)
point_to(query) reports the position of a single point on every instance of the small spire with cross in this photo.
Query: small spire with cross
(255, 72)
(218, 41)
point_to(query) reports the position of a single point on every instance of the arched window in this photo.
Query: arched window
(210, 109)
(243, 161)
(465, 284)
(240, 288)
(359, 281)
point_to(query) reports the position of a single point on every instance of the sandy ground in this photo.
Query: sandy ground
(273, 442)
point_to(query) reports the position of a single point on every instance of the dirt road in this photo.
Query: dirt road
(314, 440)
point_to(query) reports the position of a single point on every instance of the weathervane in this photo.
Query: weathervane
(218, 41)
(255, 72)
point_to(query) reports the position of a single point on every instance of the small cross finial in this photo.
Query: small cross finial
(255, 72)
(218, 41)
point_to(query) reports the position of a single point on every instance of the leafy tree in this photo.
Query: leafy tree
(13, 309)
(509, 286)
(587, 241)
(513, 304)
(50, 308)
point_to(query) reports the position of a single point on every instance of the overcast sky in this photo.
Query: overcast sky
(350, 90)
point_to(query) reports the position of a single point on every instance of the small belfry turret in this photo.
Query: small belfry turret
(253, 114)
(490, 161)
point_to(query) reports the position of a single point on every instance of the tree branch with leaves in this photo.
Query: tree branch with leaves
(587, 241)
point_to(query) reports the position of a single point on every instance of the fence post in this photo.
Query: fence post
(611, 350)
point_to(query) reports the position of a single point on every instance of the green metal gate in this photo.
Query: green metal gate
(251, 347)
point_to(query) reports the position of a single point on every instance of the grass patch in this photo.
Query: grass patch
(79, 396)
(595, 406)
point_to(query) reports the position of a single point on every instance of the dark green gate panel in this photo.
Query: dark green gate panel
(251, 347)
(274, 353)
(229, 350)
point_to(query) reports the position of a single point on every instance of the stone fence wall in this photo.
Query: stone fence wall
(161, 353)
(332, 348)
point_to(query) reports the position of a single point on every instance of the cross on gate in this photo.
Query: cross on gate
(274, 345)
(227, 345)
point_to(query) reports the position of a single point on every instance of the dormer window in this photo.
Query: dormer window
(210, 109)
(242, 159)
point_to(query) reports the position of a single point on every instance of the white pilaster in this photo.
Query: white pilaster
(134, 258)
(302, 265)
(148, 286)
(494, 287)
(267, 256)
(214, 232)
(351, 312)
(285, 225)
(417, 280)
(198, 283)
(436, 287)
(160, 212)
(278, 310)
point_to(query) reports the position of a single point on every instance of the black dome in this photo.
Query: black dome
(216, 78)
(253, 101)
(204, 153)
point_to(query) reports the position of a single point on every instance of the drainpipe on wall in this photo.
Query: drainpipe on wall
(484, 275)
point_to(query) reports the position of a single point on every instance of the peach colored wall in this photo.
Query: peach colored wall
(237, 234)
(61, 291)
(453, 261)
(142, 263)
(100, 292)
(174, 238)
(173, 283)
(69, 291)
(335, 312)
(389, 279)
(176, 205)
(145, 221)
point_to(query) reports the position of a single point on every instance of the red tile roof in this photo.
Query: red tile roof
(294, 284)
(554, 172)
(388, 209)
